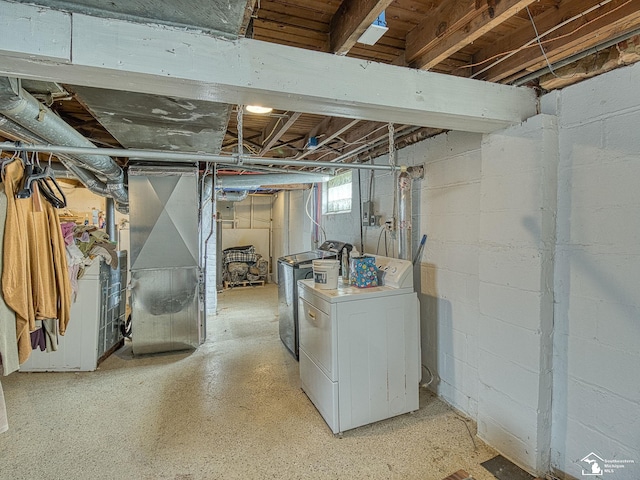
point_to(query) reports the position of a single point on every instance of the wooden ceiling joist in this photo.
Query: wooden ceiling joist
(351, 20)
(326, 131)
(440, 23)
(587, 30)
(276, 129)
(483, 22)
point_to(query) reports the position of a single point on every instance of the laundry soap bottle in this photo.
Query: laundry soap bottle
(345, 266)
(354, 254)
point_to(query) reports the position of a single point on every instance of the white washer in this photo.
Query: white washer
(360, 348)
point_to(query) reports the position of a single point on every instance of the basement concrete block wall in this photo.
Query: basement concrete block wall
(530, 315)
(517, 241)
(449, 272)
(596, 403)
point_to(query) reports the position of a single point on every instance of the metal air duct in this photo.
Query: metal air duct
(404, 215)
(69, 167)
(231, 196)
(250, 182)
(22, 108)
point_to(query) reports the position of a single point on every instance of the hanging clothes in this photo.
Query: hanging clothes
(8, 347)
(35, 280)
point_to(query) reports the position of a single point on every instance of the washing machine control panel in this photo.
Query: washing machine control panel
(396, 273)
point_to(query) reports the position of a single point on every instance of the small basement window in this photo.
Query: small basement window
(336, 194)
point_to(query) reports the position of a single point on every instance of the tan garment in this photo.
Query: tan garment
(35, 282)
(8, 346)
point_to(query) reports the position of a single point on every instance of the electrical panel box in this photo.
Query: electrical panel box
(368, 218)
(226, 210)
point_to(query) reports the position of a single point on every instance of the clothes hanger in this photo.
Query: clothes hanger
(27, 179)
(7, 162)
(47, 190)
(46, 185)
(45, 179)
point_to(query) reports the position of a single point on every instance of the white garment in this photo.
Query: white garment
(4, 422)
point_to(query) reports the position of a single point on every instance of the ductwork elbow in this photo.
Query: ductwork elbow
(231, 196)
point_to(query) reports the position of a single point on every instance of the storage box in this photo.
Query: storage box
(363, 272)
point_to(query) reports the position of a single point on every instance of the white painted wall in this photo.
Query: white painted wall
(280, 237)
(300, 224)
(446, 207)
(530, 315)
(517, 241)
(291, 226)
(596, 406)
(251, 225)
(449, 215)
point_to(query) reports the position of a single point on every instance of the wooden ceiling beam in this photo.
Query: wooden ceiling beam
(193, 65)
(327, 130)
(362, 140)
(272, 132)
(449, 17)
(609, 20)
(485, 21)
(351, 20)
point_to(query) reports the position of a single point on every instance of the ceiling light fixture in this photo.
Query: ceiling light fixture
(258, 109)
(375, 31)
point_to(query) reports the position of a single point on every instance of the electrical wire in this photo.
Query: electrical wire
(475, 447)
(306, 210)
(426, 384)
(544, 54)
(534, 41)
(382, 230)
(361, 140)
(386, 247)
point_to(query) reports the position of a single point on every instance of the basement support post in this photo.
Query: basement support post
(517, 233)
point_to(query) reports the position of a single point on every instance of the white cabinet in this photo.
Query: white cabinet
(94, 324)
(359, 353)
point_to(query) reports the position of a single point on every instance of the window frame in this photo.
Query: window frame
(338, 181)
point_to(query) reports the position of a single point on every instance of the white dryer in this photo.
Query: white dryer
(360, 348)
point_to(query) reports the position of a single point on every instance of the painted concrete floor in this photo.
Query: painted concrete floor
(232, 409)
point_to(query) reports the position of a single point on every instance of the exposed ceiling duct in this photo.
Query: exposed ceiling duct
(138, 120)
(22, 108)
(250, 182)
(231, 196)
(142, 121)
(69, 167)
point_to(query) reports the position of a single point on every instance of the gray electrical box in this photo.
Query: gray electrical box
(368, 218)
(225, 210)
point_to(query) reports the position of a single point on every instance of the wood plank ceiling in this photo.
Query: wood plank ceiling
(492, 40)
(506, 41)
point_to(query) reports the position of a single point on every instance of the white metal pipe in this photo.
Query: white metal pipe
(110, 220)
(404, 216)
(161, 155)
